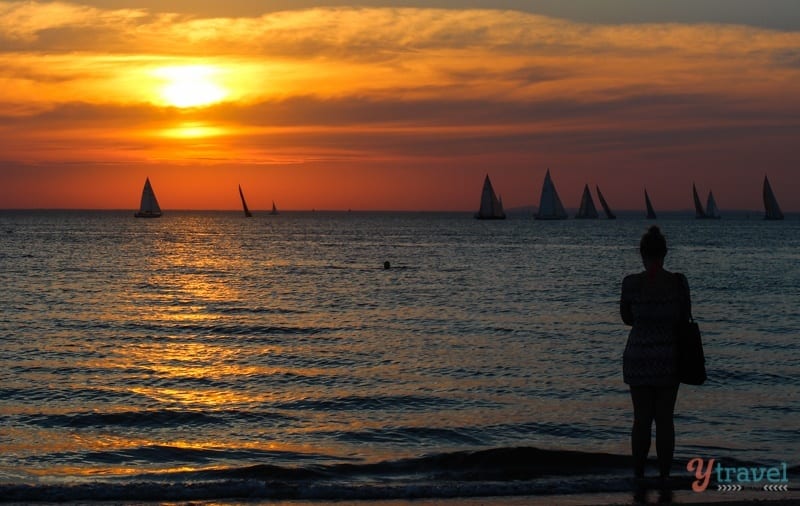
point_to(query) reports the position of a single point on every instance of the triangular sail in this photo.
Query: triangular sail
(711, 207)
(587, 210)
(771, 208)
(651, 214)
(491, 207)
(274, 208)
(247, 212)
(699, 212)
(603, 203)
(148, 208)
(550, 206)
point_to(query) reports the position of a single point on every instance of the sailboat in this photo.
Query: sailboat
(587, 210)
(149, 206)
(771, 208)
(274, 209)
(651, 214)
(491, 207)
(699, 212)
(550, 207)
(247, 212)
(710, 212)
(603, 203)
(711, 207)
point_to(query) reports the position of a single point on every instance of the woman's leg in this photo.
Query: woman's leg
(665, 427)
(644, 407)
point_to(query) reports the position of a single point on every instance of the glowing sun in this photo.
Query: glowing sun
(191, 86)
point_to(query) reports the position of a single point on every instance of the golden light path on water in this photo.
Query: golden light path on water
(183, 279)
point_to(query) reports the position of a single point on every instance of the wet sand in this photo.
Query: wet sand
(565, 500)
(743, 498)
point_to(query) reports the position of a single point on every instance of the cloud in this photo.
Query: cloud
(68, 53)
(26, 22)
(431, 88)
(361, 33)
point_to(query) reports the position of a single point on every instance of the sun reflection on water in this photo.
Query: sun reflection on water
(192, 364)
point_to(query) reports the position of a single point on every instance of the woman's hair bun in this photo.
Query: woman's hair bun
(653, 243)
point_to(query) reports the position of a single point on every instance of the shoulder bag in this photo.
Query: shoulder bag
(691, 361)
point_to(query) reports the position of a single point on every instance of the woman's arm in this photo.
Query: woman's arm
(628, 288)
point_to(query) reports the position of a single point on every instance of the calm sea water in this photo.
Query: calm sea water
(204, 355)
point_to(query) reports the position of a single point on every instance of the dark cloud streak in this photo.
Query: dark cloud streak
(775, 14)
(308, 125)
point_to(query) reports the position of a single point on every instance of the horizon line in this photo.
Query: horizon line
(515, 210)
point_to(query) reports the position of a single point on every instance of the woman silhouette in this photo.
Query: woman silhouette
(652, 301)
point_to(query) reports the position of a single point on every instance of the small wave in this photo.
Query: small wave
(513, 463)
(766, 378)
(226, 330)
(49, 394)
(497, 464)
(369, 403)
(412, 436)
(163, 454)
(466, 435)
(158, 418)
(152, 418)
(493, 472)
(573, 430)
(257, 310)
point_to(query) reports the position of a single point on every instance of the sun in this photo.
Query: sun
(191, 85)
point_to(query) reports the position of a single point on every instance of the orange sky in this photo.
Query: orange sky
(388, 108)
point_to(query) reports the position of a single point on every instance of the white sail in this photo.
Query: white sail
(771, 208)
(148, 207)
(491, 207)
(587, 210)
(711, 207)
(550, 207)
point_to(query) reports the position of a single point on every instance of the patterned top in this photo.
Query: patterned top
(652, 306)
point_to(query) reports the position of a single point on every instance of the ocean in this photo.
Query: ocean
(203, 356)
